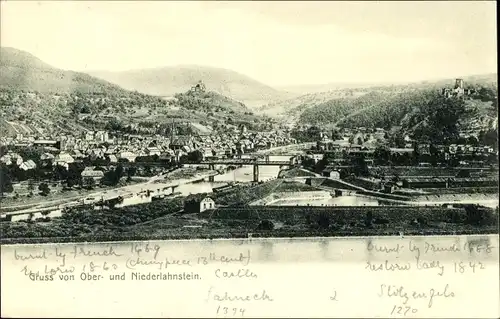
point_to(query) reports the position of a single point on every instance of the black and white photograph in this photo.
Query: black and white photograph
(182, 122)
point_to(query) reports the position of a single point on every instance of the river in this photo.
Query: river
(348, 200)
(242, 174)
(266, 173)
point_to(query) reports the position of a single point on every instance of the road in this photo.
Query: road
(300, 146)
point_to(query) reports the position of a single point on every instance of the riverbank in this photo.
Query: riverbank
(250, 235)
(58, 198)
(175, 177)
(188, 173)
(161, 220)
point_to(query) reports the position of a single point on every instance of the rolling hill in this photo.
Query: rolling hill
(291, 108)
(36, 98)
(328, 87)
(416, 109)
(294, 107)
(342, 86)
(167, 81)
(21, 70)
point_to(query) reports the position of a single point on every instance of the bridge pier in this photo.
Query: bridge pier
(255, 173)
(211, 178)
(174, 187)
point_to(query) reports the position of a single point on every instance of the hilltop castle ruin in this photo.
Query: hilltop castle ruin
(459, 90)
(198, 87)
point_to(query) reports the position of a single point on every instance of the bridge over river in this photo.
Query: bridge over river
(255, 161)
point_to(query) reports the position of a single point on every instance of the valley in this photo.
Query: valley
(70, 138)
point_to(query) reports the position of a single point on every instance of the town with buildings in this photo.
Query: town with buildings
(55, 179)
(191, 151)
(190, 158)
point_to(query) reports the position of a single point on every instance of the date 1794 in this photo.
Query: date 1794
(230, 312)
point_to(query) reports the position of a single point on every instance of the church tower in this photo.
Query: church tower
(172, 132)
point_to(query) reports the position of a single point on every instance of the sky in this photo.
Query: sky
(278, 43)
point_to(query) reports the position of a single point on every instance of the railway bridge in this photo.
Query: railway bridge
(255, 161)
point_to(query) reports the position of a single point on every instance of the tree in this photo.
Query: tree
(114, 125)
(44, 189)
(476, 215)
(434, 154)
(336, 135)
(5, 180)
(396, 139)
(113, 177)
(118, 173)
(266, 225)
(472, 140)
(308, 163)
(359, 140)
(489, 137)
(89, 182)
(324, 220)
(360, 167)
(31, 186)
(31, 154)
(195, 156)
(148, 170)
(486, 94)
(183, 159)
(395, 178)
(131, 172)
(70, 183)
(60, 172)
(3, 150)
(382, 155)
(369, 219)
(439, 120)
(321, 165)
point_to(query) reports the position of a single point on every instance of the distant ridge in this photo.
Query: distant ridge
(167, 81)
(17, 58)
(296, 105)
(20, 70)
(320, 88)
(37, 98)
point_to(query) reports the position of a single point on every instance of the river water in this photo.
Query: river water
(136, 194)
(242, 174)
(266, 173)
(335, 201)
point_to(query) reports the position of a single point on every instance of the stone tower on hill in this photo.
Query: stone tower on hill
(199, 87)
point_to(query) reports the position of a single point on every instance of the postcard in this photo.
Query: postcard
(249, 159)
